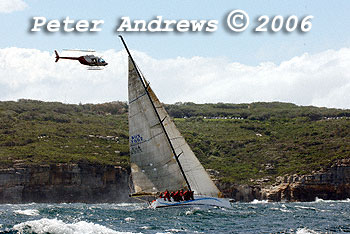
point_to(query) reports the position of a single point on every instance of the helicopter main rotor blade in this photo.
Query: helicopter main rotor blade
(79, 50)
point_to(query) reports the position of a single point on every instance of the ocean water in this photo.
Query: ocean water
(255, 217)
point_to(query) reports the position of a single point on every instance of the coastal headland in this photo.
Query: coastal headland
(54, 152)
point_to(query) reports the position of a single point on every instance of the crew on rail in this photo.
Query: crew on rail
(177, 196)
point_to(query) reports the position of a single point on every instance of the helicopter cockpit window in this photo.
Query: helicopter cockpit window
(102, 60)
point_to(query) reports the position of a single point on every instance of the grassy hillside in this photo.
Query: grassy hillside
(242, 142)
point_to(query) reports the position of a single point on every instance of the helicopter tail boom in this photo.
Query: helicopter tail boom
(57, 56)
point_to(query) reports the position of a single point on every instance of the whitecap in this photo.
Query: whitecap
(306, 207)
(318, 200)
(285, 210)
(30, 212)
(129, 219)
(255, 201)
(305, 231)
(280, 209)
(55, 226)
(173, 230)
(125, 204)
(189, 212)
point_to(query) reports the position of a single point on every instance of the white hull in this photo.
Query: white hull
(198, 201)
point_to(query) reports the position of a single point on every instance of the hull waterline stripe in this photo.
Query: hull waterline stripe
(191, 201)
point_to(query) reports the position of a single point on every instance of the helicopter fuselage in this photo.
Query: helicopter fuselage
(89, 60)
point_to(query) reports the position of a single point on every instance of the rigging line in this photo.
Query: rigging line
(149, 96)
(137, 98)
(153, 126)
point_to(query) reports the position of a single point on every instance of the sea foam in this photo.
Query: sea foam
(255, 201)
(56, 226)
(30, 212)
(321, 200)
(306, 231)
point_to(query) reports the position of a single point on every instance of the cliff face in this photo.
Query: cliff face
(331, 184)
(94, 183)
(243, 193)
(64, 183)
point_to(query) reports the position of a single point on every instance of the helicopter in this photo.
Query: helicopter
(94, 62)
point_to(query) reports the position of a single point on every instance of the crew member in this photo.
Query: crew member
(182, 194)
(177, 196)
(167, 195)
(187, 195)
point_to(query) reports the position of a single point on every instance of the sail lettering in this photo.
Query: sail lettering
(136, 139)
(135, 150)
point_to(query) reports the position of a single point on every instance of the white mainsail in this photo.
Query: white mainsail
(153, 140)
(153, 166)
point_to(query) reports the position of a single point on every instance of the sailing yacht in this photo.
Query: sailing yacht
(160, 157)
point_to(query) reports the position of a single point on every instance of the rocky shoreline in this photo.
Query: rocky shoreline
(82, 182)
(95, 183)
(329, 184)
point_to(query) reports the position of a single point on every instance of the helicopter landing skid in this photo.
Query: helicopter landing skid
(95, 68)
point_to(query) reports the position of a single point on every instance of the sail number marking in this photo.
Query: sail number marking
(135, 149)
(136, 139)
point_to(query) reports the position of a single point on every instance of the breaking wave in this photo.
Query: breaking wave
(259, 217)
(255, 201)
(321, 200)
(55, 226)
(30, 212)
(306, 231)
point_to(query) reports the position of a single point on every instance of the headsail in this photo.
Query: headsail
(198, 178)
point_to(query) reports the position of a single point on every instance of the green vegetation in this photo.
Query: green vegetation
(34, 132)
(247, 142)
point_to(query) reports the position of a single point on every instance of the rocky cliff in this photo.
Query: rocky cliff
(95, 183)
(330, 184)
(80, 182)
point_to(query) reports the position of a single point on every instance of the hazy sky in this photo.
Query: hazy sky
(309, 68)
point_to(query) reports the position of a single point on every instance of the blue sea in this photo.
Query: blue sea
(256, 217)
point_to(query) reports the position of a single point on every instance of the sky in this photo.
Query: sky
(305, 68)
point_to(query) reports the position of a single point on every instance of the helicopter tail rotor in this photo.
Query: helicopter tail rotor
(57, 56)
